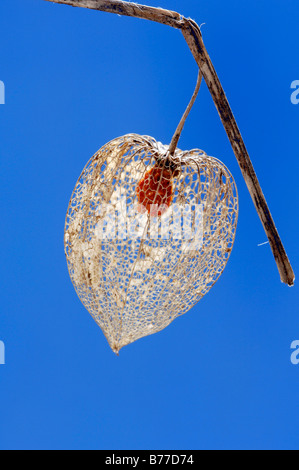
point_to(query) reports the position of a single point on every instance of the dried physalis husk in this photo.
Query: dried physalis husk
(147, 234)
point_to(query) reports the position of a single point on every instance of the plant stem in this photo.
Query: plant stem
(194, 40)
(177, 134)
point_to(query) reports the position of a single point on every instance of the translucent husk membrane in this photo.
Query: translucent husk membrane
(137, 265)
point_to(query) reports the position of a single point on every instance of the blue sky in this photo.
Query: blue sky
(219, 377)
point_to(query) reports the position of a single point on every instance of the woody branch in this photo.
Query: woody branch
(193, 37)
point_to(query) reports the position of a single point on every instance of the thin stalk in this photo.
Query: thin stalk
(177, 134)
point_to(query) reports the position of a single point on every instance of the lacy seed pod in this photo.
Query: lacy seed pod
(147, 234)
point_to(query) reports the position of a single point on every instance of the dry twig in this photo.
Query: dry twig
(194, 40)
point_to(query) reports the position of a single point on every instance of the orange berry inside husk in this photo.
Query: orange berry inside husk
(155, 191)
